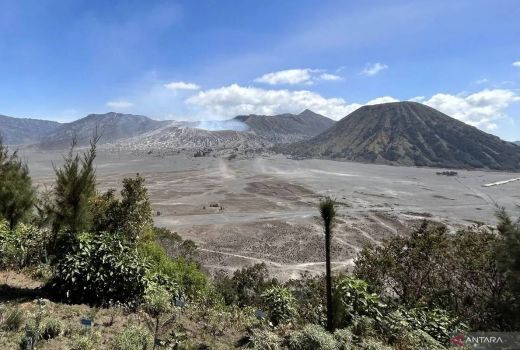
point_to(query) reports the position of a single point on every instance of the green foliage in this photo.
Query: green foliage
(23, 246)
(438, 323)
(417, 339)
(352, 300)
(508, 255)
(441, 270)
(106, 212)
(135, 208)
(17, 196)
(50, 327)
(280, 305)
(343, 338)
(186, 274)
(373, 344)
(14, 319)
(264, 339)
(101, 268)
(131, 216)
(131, 338)
(85, 342)
(75, 186)
(157, 301)
(309, 291)
(246, 285)
(364, 327)
(312, 337)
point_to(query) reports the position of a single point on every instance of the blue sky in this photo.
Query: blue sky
(214, 59)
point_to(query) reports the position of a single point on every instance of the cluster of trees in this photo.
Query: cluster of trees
(410, 291)
(101, 248)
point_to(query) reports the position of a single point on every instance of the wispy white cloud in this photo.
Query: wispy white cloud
(121, 104)
(181, 85)
(481, 81)
(330, 77)
(373, 69)
(288, 76)
(306, 76)
(516, 64)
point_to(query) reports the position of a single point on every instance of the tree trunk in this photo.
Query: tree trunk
(328, 280)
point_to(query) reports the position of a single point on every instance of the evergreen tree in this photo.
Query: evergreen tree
(135, 207)
(75, 187)
(17, 194)
(328, 213)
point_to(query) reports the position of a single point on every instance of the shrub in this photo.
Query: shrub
(353, 300)
(101, 268)
(373, 344)
(131, 338)
(186, 274)
(84, 342)
(50, 328)
(23, 246)
(264, 339)
(309, 291)
(14, 319)
(364, 327)
(312, 337)
(437, 323)
(443, 270)
(42, 272)
(280, 304)
(246, 285)
(343, 338)
(417, 339)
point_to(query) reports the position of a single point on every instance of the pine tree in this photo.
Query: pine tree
(75, 187)
(328, 213)
(17, 194)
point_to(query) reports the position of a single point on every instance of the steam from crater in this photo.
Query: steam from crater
(218, 125)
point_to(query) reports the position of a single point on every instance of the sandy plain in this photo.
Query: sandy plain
(264, 209)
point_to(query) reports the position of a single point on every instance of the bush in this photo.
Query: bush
(443, 270)
(23, 246)
(280, 305)
(246, 285)
(373, 344)
(50, 328)
(364, 327)
(309, 291)
(264, 339)
(417, 339)
(84, 342)
(14, 319)
(101, 268)
(131, 338)
(351, 300)
(343, 338)
(186, 274)
(312, 337)
(437, 323)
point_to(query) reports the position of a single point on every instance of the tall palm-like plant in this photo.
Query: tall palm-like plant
(328, 213)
